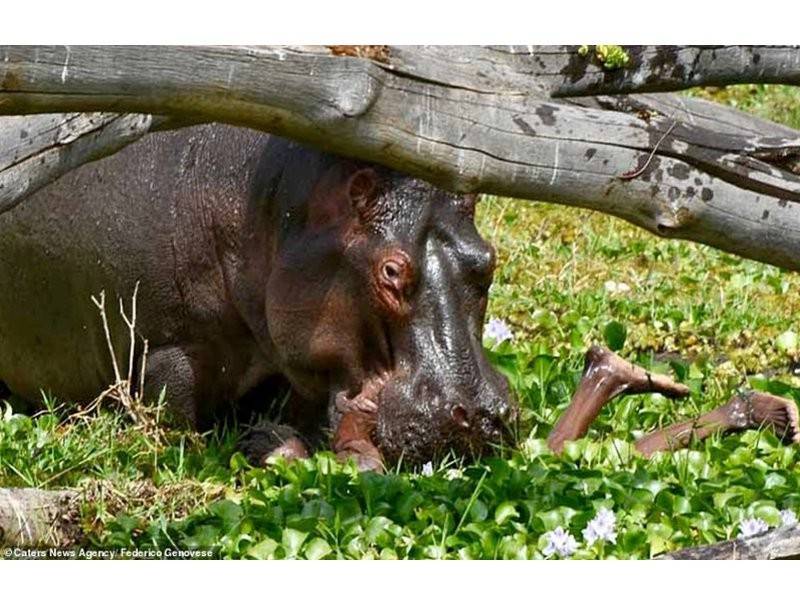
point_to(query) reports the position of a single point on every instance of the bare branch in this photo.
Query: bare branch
(101, 306)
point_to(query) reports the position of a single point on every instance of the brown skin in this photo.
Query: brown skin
(365, 289)
(607, 376)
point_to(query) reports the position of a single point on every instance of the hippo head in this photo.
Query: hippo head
(377, 298)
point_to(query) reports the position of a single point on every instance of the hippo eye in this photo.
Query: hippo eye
(394, 277)
(392, 271)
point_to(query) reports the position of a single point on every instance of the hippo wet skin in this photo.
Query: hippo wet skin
(257, 258)
(364, 288)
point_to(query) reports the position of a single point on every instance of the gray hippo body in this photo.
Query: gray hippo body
(256, 257)
(167, 212)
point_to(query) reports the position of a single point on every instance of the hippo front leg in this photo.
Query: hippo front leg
(268, 439)
(173, 370)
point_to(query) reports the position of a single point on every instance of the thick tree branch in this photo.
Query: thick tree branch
(36, 150)
(695, 111)
(561, 71)
(727, 186)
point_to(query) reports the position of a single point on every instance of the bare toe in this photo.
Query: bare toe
(780, 414)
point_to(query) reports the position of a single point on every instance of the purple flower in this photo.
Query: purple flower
(751, 527)
(788, 517)
(601, 528)
(427, 469)
(560, 542)
(497, 331)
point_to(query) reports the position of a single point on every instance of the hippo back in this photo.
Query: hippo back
(166, 212)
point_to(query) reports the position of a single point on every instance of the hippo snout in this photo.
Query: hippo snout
(420, 420)
(489, 420)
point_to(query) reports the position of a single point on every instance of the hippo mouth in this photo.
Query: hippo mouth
(366, 400)
(379, 371)
(412, 409)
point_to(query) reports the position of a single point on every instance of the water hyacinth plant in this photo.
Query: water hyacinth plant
(560, 543)
(711, 320)
(751, 527)
(788, 517)
(497, 331)
(602, 528)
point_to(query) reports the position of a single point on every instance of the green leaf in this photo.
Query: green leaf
(478, 511)
(614, 334)
(239, 463)
(228, 511)
(292, 540)
(378, 531)
(681, 505)
(263, 550)
(317, 549)
(505, 511)
(767, 513)
(658, 534)
(558, 517)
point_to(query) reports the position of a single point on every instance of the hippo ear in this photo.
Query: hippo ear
(363, 189)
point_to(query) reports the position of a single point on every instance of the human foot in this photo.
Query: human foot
(753, 410)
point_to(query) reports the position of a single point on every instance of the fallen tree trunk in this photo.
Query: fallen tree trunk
(35, 150)
(776, 544)
(482, 123)
(32, 518)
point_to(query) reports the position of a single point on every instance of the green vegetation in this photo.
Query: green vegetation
(611, 57)
(566, 279)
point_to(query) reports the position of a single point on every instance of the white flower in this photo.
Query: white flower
(560, 542)
(451, 474)
(427, 469)
(751, 527)
(616, 287)
(497, 331)
(602, 527)
(788, 517)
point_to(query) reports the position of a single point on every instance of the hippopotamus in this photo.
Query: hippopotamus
(256, 257)
(364, 290)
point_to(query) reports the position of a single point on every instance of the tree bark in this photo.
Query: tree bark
(37, 149)
(560, 71)
(477, 119)
(776, 544)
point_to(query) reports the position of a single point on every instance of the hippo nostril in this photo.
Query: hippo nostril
(459, 414)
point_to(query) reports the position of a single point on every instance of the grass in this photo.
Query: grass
(567, 278)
